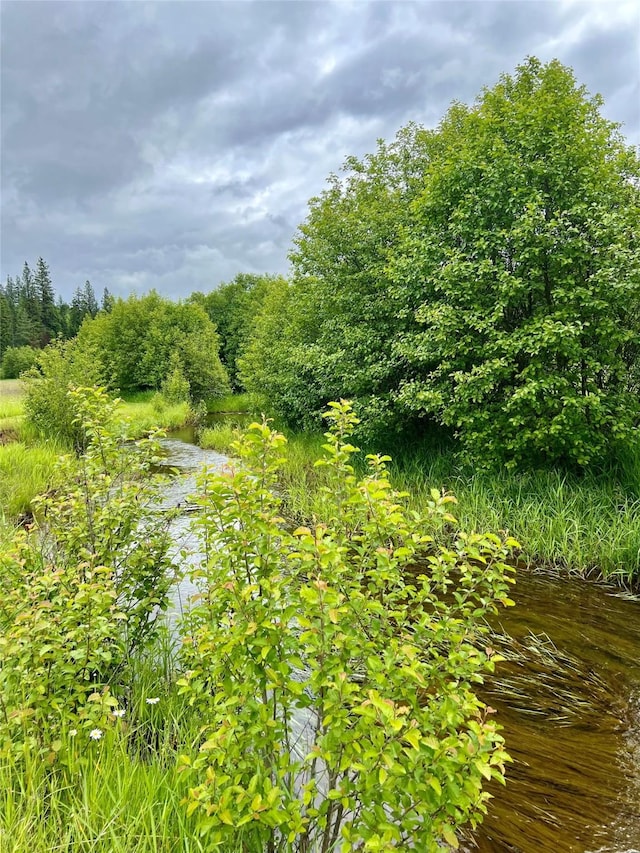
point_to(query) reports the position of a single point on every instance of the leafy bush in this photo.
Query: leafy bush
(80, 591)
(525, 245)
(483, 276)
(335, 664)
(16, 360)
(175, 387)
(140, 341)
(48, 406)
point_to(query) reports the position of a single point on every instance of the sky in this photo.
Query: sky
(172, 145)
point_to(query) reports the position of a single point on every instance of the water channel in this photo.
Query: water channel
(568, 697)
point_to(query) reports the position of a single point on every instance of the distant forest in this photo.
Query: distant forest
(31, 315)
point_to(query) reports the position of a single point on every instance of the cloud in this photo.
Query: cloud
(174, 144)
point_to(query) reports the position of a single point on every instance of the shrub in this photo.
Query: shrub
(16, 360)
(175, 387)
(80, 591)
(335, 663)
(49, 408)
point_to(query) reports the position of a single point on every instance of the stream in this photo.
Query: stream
(567, 696)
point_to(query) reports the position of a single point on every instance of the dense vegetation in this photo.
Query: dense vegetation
(31, 316)
(476, 290)
(483, 277)
(398, 745)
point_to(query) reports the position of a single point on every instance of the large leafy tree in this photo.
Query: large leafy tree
(525, 247)
(233, 308)
(142, 339)
(343, 316)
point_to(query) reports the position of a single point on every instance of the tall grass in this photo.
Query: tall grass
(119, 794)
(148, 410)
(588, 524)
(27, 461)
(235, 403)
(25, 471)
(11, 406)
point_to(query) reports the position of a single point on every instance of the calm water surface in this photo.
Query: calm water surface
(568, 698)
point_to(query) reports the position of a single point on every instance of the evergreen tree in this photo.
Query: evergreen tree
(84, 304)
(44, 293)
(107, 301)
(90, 301)
(6, 323)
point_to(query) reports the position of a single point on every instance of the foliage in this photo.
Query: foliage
(335, 676)
(116, 794)
(81, 590)
(525, 246)
(24, 473)
(49, 408)
(140, 341)
(333, 333)
(29, 313)
(16, 360)
(175, 387)
(482, 277)
(233, 307)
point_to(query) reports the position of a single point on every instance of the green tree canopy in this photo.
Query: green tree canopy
(338, 331)
(233, 308)
(523, 247)
(142, 339)
(484, 276)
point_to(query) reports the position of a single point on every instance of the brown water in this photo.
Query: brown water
(569, 701)
(568, 697)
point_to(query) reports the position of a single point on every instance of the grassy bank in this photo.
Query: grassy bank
(120, 793)
(588, 524)
(11, 409)
(233, 403)
(28, 461)
(148, 410)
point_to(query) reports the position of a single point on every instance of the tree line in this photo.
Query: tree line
(31, 315)
(480, 279)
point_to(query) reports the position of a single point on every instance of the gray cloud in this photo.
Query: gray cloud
(174, 144)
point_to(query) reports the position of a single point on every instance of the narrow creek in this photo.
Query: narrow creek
(568, 698)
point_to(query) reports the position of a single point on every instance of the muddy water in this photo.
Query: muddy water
(568, 697)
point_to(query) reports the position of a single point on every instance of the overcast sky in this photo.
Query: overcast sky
(170, 145)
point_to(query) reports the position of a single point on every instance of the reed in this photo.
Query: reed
(25, 471)
(219, 437)
(588, 524)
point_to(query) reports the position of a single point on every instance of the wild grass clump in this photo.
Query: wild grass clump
(145, 411)
(25, 471)
(234, 403)
(219, 437)
(11, 409)
(120, 789)
(11, 395)
(588, 524)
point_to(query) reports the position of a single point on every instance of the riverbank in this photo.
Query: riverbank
(28, 460)
(587, 524)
